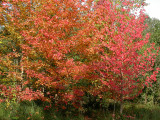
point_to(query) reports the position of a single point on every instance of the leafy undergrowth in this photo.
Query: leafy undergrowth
(20, 111)
(31, 111)
(142, 112)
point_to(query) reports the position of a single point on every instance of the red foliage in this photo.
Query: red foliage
(71, 49)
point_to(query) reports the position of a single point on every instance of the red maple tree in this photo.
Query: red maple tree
(70, 48)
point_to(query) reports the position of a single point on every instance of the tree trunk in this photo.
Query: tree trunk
(22, 71)
(121, 94)
(121, 107)
(146, 98)
(114, 110)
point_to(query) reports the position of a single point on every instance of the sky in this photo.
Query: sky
(153, 8)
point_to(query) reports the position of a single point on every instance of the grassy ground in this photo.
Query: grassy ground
(30, 111)
(142, 112)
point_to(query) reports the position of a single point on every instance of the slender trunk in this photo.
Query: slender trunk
(114, 110)
(15, 72)
(121, 94)
(22, 71)
(121, 107)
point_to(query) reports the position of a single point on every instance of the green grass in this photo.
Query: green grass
(143, 112)
(31, 111)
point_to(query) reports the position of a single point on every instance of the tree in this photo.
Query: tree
(151, 94)
(70, 49)
(12, 74)
(121, 71)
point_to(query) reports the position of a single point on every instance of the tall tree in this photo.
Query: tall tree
(70, 48)
(151, 94)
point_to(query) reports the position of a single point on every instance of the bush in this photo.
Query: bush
(20, 111)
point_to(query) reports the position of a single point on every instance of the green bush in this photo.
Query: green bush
(20, 111)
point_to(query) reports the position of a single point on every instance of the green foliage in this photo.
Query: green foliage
(20, 111)
(154, 30)
(151, 95)
(141, 111)
(34, 111)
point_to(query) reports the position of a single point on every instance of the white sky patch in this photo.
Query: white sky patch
(153, 8)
